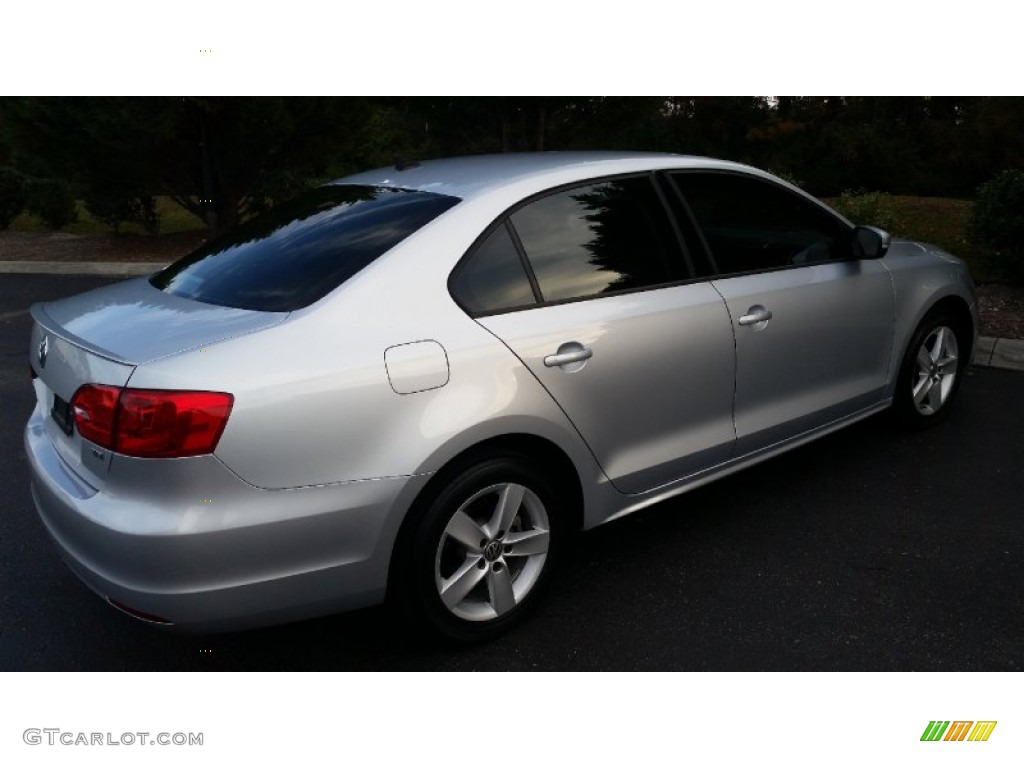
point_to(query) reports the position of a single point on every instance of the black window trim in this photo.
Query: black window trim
(460, 266)
(660, 184)
(683, 267)
(684, 206)
(671, 173)
(538, 296)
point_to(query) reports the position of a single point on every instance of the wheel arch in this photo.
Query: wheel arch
(957, 308)
(949, 310)
(955, 304)
(544, 454)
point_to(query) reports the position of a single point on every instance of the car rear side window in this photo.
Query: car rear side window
(493, 277)
(301, 251)
(601, 238)
(752, 225)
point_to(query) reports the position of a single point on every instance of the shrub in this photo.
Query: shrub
(997, 220)
(12, 196)
(875, 208)
(787, 176)
(114, 209)
(276, 188)
(52, 201)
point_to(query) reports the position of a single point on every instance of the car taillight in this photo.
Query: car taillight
(94, 407)
(157, 423)
(151, 423)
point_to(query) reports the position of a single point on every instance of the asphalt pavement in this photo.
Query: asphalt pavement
(870, 549)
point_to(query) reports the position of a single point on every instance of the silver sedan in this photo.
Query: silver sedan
(415, 383)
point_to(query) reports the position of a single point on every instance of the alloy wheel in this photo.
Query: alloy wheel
(936, 369)
(492, 552)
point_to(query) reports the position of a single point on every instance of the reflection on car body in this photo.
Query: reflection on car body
(416, 383)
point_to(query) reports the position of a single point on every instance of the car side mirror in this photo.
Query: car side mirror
(870, 242)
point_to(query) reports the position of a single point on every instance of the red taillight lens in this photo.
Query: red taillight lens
(151, 423)
(95, 407)
(159, 424)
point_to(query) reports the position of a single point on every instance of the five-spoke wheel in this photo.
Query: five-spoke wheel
(937, 366)
(931, 370)
(492, 552)
(480, 548)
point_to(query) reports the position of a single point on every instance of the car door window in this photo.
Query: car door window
(597, 239)
(752, 225)
(493, 277)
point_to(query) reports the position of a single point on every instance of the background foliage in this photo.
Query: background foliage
(224, 159)
(998, 221)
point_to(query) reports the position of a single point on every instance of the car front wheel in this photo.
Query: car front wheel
(482, 551)
(931, 371)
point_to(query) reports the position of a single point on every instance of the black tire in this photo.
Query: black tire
(926, 389)
(504, 572)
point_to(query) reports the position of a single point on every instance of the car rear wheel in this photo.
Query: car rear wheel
(482, 550)
(931, 372)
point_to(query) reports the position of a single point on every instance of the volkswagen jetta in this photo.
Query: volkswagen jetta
(415, 383)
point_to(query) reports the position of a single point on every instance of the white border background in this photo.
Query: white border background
(509, 721)
(541, 47)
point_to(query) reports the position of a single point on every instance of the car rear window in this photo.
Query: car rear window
(302, 250)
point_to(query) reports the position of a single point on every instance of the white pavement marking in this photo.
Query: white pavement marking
(102, 268)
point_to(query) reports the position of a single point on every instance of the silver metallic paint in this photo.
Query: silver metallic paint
(297, 512)
(922, 276)
(133, 322)
(416, 367)
(654, 402)
(824, 352)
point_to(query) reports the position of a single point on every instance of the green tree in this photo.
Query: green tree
(227, 158)
(221, 158)
(12, 195)
(998, 221)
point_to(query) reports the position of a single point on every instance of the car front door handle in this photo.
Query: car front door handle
(756, 314)
(568, 354)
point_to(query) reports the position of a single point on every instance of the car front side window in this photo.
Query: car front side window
(752, 225)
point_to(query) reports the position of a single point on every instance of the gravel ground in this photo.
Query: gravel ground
(1002, 311)
(63, 246)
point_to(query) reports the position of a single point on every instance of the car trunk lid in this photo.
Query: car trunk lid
(101, 337)
(132, 322)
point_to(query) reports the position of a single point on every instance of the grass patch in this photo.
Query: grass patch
(940, 221)
(173, 218)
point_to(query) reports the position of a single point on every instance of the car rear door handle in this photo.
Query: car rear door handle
(756, 314)
(569, 353)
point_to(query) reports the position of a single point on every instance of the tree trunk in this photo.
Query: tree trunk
(227, 211)
(213, 225)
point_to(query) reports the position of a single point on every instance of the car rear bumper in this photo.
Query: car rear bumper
(189, 542)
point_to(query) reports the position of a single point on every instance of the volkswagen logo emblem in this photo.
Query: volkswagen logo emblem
(492, 551)
(44, 347)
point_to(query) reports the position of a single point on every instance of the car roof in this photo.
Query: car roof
(475, 175)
